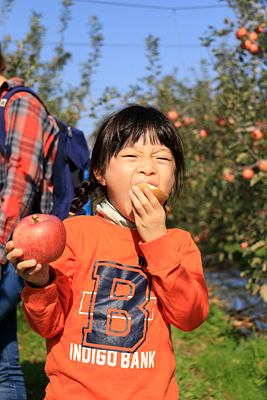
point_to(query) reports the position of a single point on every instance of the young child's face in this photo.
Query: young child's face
(151, 163)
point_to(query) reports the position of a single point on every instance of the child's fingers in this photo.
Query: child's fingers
(149, 215)
(31, 271)
(9, 246)
(14, 255)
(28, 270)
(36, 269)
(139, 199)
(34, 273)
(144, 200)
(25, 266)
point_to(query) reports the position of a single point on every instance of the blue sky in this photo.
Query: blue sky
(125, 24)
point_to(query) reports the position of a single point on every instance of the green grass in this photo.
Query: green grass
(214, 362)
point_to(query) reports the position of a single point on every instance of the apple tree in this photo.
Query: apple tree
(226, 144)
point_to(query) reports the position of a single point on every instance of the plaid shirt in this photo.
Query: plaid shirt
(26, 168)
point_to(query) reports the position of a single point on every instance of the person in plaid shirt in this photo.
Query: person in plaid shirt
(26, 188)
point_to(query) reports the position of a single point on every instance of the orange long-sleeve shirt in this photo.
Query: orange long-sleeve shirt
(107, 312)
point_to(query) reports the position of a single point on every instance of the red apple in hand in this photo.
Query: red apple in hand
(42, 237)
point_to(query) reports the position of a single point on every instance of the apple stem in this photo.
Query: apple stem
(35, 219)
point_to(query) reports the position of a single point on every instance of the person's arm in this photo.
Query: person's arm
(174, 263)
(47, 292)
(24, 163)
(46, 308)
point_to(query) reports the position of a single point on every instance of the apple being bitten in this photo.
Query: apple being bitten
(160, 195)
(42, 237)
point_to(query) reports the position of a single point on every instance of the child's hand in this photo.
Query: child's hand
(29, 270)
(149, 215)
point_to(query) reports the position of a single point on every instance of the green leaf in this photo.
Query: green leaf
(257, 178)
(255, 262)
(257, 245)
(241, 157)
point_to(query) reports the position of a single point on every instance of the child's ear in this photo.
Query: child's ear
(100, 178)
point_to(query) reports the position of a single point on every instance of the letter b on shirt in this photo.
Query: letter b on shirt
(117, 313)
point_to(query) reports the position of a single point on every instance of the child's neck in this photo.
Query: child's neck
(111, 214)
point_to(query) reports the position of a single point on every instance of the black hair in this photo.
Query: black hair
(124, 128)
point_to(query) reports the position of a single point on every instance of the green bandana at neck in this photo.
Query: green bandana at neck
(111, 214)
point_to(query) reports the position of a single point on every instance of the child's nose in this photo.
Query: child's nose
(147, 167)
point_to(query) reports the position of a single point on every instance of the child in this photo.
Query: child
(106, 305)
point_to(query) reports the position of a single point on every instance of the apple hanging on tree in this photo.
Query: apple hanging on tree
(241, 32)
(263, 165)
(256, 134)
(42, 237)
(248, 174)
(244, 245)
(172, 115)
(203, 133)
(259, 29)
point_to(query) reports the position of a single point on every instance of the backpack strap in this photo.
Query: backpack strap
(16, 89)
(3, 103)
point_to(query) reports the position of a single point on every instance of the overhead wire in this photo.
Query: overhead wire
(112, 3)
(173, 9)
(81, 44)
(133, 5)
(156, 7)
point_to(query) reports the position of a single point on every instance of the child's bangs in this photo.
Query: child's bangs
(148, 134)
(146, 130)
